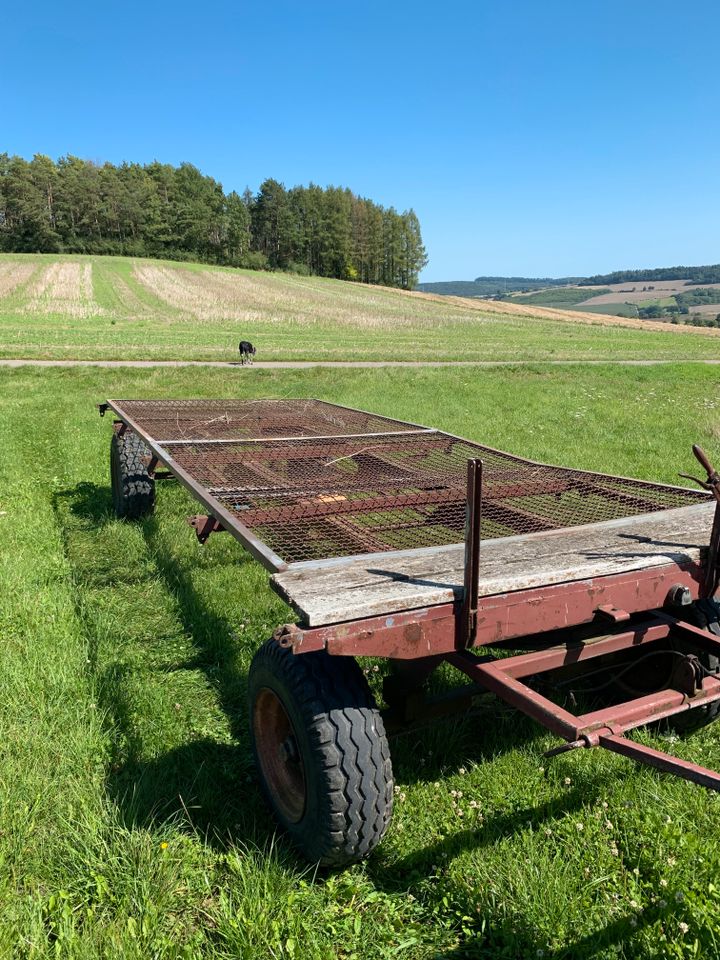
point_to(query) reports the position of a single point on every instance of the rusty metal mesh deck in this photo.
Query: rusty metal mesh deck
(349, 482)
(166, 420)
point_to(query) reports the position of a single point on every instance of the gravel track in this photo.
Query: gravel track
(305, 364)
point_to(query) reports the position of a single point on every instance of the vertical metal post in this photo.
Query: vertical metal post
(712, 569)
(473, 511)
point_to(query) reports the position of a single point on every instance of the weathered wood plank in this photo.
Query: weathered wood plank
(387, 582)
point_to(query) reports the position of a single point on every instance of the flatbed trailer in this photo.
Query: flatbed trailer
(390, 539)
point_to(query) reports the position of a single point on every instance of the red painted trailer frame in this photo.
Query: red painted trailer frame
(261, 471)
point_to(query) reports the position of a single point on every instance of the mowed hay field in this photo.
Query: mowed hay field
(131, 823)
(56, 307)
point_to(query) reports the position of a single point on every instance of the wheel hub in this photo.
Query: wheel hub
(279, 754)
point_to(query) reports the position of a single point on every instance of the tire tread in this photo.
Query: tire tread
(347, 737)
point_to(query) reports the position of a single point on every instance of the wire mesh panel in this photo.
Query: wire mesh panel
(312, 480)
(179, 420)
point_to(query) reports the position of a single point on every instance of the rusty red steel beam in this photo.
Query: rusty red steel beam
(554, 658)
(693, 634)
(492, 677)
(653, 706)
(305, 448)
(400, 636)
(499, 617)
(322, 483)
(511, 615)
(661, 761)
(602, 728)
(339, 504)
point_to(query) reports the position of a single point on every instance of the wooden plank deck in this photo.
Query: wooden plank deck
(334, 591)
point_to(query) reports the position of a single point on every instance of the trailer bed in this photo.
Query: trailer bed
(398, 541)
(342, 590)
(358, 514)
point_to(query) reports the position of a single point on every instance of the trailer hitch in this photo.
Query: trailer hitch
(712, 484)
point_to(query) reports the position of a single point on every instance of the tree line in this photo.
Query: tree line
(695, 275)
(178, 213)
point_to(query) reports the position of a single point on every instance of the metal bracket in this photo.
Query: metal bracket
(608, 612)
(204, 526)
(687, 675)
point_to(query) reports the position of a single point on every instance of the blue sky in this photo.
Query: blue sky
(532, 138)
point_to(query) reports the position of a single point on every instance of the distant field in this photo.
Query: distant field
(114, 308)
(624, 299)
(635, 292)
(561, 297)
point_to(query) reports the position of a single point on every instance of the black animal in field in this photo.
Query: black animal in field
(247, 351)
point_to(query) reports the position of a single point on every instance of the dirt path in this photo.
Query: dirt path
(305, 364)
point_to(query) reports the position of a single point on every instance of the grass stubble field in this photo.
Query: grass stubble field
(111, 308)
(131, 823)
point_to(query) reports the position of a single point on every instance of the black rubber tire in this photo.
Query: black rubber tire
(705, 614)
(133, 489)
(340, 748)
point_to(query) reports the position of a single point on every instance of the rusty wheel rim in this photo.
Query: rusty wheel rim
(279, 755)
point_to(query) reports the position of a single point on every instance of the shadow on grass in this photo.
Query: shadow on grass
(204, 786)
(208, 788)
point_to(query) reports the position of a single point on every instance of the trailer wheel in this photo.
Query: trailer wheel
(133, 488)
(704, 614)
(321, 752)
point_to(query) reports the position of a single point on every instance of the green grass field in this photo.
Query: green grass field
(561, 297)
(612, 309)
(56, 307)
(131, 823)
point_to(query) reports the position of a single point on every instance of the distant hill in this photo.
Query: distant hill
(694, 275)
(492, 286)
(499, 286)
(678, 295)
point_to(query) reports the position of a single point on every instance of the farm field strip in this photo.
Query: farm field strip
(64, 288)
(130, 820)
(216, 295)
(208, 310)
(14, 275)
